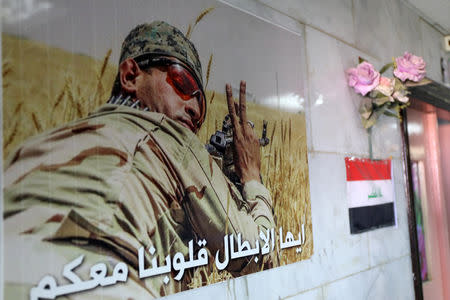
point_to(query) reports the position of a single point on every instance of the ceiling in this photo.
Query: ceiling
(435, 12)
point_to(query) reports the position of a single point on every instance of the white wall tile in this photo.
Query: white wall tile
(406, 31)
(386, 138)
(286, 280)
(336, 126)
(432, 47)
(332, 16)
(262, 11)
(373, 27)
(218, 290)
(314, 294)
(237, 289)
(390, 281)
(388, 243)
(278, 283)
(393, 281)
(338, 252)
(386, 28)
(234, 289)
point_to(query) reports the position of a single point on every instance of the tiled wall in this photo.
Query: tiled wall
(373, 265)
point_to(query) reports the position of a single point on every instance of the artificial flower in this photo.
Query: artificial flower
(386, 86)
(400, 95)
(410, 67)
(364, 78)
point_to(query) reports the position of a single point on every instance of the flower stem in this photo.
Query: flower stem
(369, 134)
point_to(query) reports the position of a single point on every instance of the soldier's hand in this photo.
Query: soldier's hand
(246, 153)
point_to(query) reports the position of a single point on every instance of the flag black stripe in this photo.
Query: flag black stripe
(369, 217)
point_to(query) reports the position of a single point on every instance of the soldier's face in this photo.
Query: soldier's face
(159, 95)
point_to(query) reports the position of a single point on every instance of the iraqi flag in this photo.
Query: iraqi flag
(370, 193)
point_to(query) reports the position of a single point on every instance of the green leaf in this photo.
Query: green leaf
(369, 122)
(424, 81)
(361, 60)
(381, 101)
(376, 94)
(386, 67)
(365, 110)
(399, 85)
(393, 110)
(376, 113)
(382, 108)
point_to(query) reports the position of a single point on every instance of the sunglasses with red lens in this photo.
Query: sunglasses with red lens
(182, 80)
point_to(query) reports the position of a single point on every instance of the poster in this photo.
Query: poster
(370, 194)
(156, 223)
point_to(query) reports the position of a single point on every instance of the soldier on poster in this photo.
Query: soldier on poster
(132, 181)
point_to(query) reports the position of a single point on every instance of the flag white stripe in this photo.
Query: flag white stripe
(369, 192)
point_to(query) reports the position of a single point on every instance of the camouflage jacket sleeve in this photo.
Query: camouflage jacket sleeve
(214, 205)
(260, 203)
(66, 194)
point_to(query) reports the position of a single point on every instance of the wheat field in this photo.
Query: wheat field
(45, 87)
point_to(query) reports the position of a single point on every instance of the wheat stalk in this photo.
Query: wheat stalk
(99, 87)
(212, 97)
(6, 67)
(104, 64)
(11, 136)
(6, 70)
(18, 108)
(79, 109)
(203, 14)
(199, 18)
(228, 207)
(189, 31)
(207, 275)
(208, 70)
(290, 133)
(68, 109)
(270, 147)
(36, 122)
(59, 98)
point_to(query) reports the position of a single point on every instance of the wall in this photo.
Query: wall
(372, 265)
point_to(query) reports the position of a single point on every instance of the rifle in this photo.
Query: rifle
(220, 148)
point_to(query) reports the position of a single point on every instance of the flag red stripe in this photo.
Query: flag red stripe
(366, 169)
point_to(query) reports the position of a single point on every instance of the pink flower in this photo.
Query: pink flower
(363, 78)
(386, 86)
(410, 67)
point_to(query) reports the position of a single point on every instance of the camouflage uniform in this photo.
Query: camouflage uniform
(108, 184)
(111, 183)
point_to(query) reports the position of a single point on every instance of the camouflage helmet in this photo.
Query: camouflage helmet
(160, 38)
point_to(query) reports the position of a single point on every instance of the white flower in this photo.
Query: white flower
(401, 96)
(386, 86)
